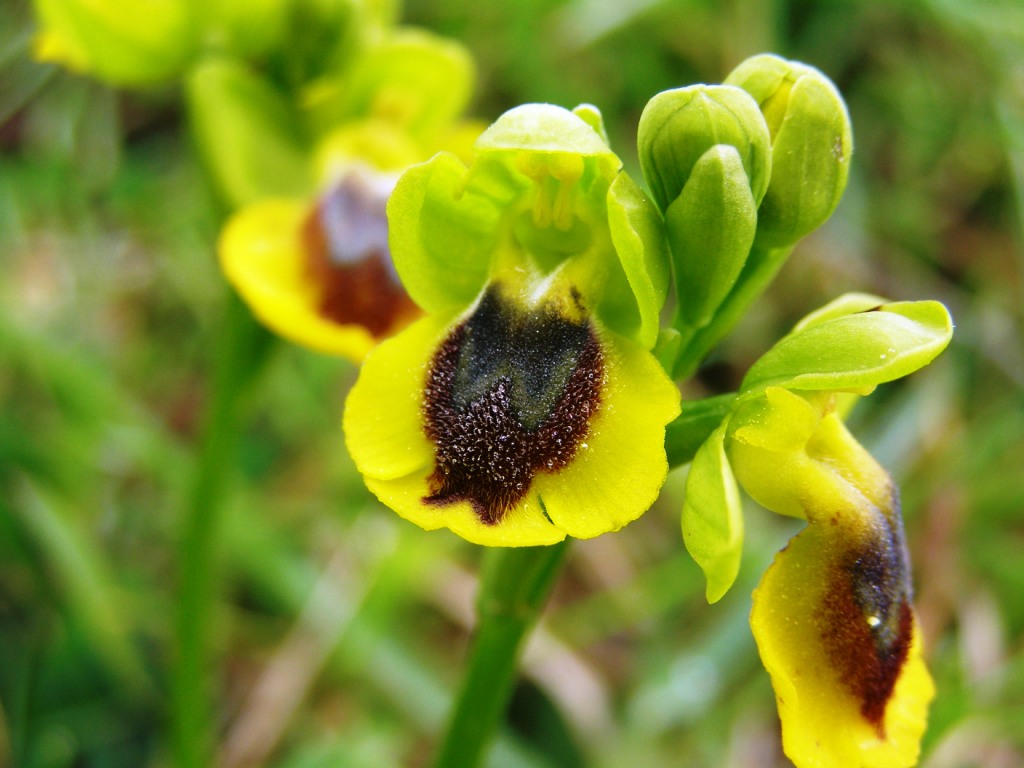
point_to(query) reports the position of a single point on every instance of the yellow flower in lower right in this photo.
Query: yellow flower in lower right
(832, 616)
(836, 632)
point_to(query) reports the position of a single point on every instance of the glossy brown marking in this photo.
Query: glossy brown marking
(867, 622)
(508, 394)
(347, 257)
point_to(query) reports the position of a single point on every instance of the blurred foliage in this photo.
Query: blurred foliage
(340, 630)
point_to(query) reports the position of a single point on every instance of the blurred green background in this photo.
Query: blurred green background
(340, 630)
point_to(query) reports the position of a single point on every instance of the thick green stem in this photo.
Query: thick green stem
(241, 349)
(514, 588)
(761, 267)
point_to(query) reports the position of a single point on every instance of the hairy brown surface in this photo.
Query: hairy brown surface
(508, 395)
(868, 622)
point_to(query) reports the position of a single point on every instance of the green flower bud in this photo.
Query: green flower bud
(811, 145)
(113, 41)
(677, 127)
(710, 226)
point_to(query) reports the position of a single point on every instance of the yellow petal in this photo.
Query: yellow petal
(383, 413)
(619, 470)
(262, 256)
(823, 719)
(613, 477)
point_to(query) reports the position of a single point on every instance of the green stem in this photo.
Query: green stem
(514, 588)
(761, 267)
(241, 349)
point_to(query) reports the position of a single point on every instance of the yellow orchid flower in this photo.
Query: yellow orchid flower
(525, 406)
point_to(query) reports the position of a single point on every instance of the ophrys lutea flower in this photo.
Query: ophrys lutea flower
(832, 617)
(526, 406)
(317, 269)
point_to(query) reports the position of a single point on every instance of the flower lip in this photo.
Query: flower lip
(867, 618)
(509, 393)
(345, 238)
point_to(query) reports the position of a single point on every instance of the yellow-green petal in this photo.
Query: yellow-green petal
(384, 432)
(383, 413)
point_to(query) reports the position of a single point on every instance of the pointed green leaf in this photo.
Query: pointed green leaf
(713, 516)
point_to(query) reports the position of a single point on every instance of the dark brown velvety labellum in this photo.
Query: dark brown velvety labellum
(868, 622)
(509, 393)
(347, 257)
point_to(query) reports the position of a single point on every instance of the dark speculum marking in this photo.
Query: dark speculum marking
(868, 621)
(347, 257)
(509, 393)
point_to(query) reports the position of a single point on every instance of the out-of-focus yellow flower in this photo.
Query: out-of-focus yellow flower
(319, 272)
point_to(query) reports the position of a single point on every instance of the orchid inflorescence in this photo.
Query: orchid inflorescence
(505, 291)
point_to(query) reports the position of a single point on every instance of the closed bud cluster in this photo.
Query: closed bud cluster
(705, 153)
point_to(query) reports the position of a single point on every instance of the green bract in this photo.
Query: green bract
(811, 144)
(544, 196)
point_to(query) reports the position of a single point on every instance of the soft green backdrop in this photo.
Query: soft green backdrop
(340, 630)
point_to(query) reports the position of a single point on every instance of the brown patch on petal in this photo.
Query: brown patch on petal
(509, 394)
(347, 257)
(867, 621)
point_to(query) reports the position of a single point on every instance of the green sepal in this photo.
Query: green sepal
(854, 352)
(412, 78)
(678, 126)
(811, 144)
(639, 241)
(546, 128)
(711, 226)
(713, 516)
(115, 42)
(247, 134)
